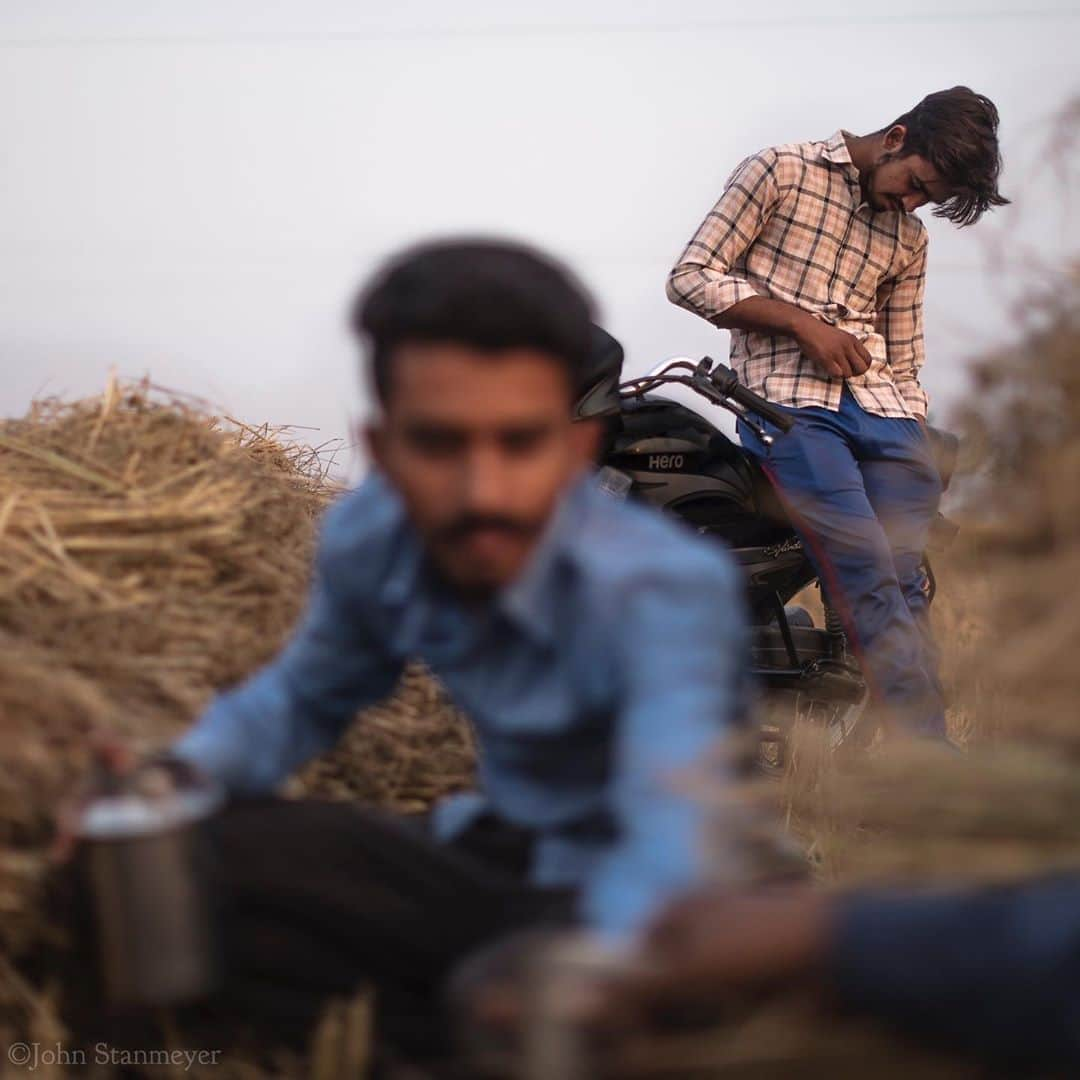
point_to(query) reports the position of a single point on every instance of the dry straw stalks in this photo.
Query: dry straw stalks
(150, 554)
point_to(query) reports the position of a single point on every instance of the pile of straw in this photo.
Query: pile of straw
(401, 755)
(151, 554)
(147, 556)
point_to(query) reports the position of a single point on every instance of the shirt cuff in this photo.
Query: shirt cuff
(726, 293)
(199, 747)
(218, 744)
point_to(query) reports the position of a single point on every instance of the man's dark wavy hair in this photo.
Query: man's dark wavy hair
(487, 294)
(956, 131)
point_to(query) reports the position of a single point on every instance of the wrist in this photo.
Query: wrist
(798, 322)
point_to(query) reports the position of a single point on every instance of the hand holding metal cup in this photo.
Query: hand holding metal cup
(138, 836)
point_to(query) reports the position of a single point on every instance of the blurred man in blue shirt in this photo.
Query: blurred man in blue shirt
(597, 648)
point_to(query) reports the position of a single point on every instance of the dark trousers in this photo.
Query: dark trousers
(318, 899)
(863, 491)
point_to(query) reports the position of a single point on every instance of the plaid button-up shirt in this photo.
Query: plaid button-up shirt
(792, 225)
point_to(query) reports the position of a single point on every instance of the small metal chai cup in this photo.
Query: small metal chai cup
(144, 862)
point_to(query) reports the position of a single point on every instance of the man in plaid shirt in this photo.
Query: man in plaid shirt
(815, 262)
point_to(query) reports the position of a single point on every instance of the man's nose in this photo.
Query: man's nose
(913, 202)
(484, 481)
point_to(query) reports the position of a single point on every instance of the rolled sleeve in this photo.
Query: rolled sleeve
(706, 280)
(726, 293)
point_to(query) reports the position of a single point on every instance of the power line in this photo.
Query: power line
(508, 30)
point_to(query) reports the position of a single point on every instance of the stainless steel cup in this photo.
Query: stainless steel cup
(556, 1045)
(145, 864)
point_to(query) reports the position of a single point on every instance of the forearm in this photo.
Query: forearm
(297, 706)
(766, 316)
(251, 738)
(836, 352)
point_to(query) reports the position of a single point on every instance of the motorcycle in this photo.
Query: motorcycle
(676, 458)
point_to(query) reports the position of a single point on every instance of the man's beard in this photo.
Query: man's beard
(866, 181)
(457, 532)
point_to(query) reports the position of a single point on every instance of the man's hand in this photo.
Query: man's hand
(115, 768)
(511, 998)
(714, 942)
(836, 352)
(111, 759)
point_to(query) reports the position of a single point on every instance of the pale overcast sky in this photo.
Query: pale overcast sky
(193, 189)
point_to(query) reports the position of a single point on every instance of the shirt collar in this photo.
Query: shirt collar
(533, 599)
(835, 149)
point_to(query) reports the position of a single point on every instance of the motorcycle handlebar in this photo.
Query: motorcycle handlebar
(725, 380)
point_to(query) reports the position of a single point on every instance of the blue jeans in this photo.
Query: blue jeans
(862, 491)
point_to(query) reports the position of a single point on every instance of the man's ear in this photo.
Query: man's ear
(894, 138)
(585, 436)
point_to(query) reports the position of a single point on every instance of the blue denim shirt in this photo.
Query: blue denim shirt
(614, 661)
